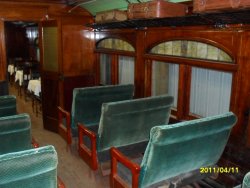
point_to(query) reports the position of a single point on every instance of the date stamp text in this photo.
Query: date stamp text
(219, 170)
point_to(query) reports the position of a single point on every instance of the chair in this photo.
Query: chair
(86, 107)
(124, 124)
(174, 151)
(29, 168)
(7, 105)
(245, 182)
(15, 133)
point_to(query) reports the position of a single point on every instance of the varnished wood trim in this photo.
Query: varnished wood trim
(215, 65)
(65, 132)
(116, 182)
(88, 155)
(116, 52)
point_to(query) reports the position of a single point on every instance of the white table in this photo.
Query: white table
(19, 77)
(11, 69)
(34, 86)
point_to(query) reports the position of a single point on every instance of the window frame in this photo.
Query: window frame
(114, 60)
(185, 74)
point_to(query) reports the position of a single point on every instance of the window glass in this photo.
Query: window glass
(126, 70)
(210, 92)
(105, 69)
(165, 79)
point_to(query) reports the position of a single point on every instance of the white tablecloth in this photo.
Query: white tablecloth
(11, 69)
(35, 86)
(19, 77)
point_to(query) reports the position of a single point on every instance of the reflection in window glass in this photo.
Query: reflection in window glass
(210, 92)
(105, 69)
(165, 79)
(126, 70)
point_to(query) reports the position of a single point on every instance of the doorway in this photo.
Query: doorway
(23, 59)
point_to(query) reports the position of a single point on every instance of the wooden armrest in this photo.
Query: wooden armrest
(117, 156)
(88, 155)
(60, 183)
(34, 143)
(64, 132)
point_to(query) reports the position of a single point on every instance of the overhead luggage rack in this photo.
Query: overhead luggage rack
(214, 19)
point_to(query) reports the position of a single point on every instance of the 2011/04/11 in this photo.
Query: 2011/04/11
(219, 170)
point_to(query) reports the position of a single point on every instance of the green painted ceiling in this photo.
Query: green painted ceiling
(94, 6)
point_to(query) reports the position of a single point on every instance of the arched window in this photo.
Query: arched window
(191, 49)
(187, 70)
(116, 61)
(115, 44)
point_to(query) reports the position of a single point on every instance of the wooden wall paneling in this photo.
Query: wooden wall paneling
(236, 82)
(148, 78)
(114, 69)
(50, 98)
(243, 127)
(78, 47)
(40, 10)
(97, 68)
(186, 93)
(3, 63)
(22, 11)
(17, 43)
(181, 90)
(140, 64)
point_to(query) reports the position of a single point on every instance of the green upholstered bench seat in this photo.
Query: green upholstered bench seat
(245, 182)
(177, 149)
(7, 105)
(33, 168)
(15, 133)
(124, 124)
(86, 107)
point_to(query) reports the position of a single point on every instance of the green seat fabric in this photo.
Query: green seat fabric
(245, 182)
(33, 168)
(7, 105)
(15, 133)
(183, 147)
(128, 123)
(87, 103)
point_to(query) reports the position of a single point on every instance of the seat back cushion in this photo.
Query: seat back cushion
(129, 122)
(7, 105)
(183, 147)
(87, 102)
(15, 133)
(246, 181)
(34, 168)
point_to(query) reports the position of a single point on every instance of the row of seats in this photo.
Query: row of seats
(112, 125)
(22, 162)
(134, 129)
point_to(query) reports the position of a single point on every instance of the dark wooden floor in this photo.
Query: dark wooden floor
(76, 174)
